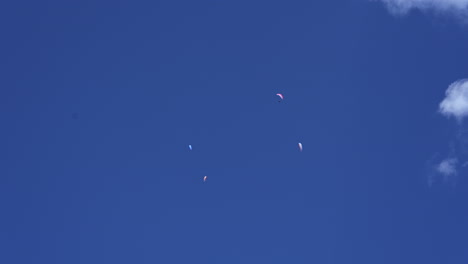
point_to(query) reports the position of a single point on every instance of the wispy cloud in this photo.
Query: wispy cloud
(448, 167)
(444, 170)
(455, 7)
(455, 102)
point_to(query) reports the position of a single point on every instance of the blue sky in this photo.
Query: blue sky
(99, 101)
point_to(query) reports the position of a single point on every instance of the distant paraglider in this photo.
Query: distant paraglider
(300, 146)
(204, 178)
(280, 96)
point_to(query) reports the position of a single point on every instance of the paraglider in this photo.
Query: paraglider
(280, 96)
(299, 144)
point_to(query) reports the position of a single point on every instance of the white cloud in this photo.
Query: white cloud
(444, 171)
(448, 167)
(458, 7)
(455, 102)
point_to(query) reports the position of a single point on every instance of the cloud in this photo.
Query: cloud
(455, 102)
(457, 7)
(448, 167)
(442, 171)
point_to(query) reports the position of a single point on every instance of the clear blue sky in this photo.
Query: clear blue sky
(99, 101)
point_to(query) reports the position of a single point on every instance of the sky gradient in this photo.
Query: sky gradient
(100, 100)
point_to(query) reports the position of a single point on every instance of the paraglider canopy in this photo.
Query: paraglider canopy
(280, 96)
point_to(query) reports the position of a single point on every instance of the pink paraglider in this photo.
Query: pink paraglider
(280, 96)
